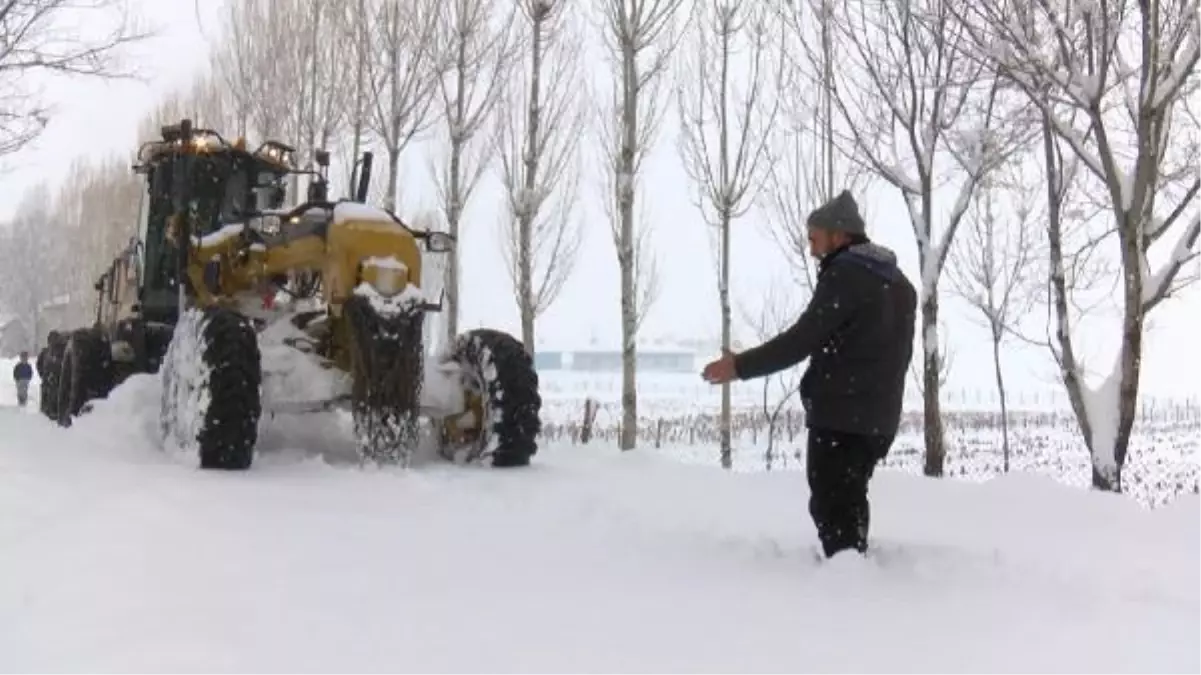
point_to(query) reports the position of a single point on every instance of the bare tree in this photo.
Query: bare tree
(911, 102)
(233, 62)
(28, 269)
(473, 51)
(40, 38)
(727, 102)
(992, 269)
(354, 25)
(808, 166)
(298, 76)
(639, 36)
(327, 88)
(402, 77)
(287, 82)
(207, 101)
(777, 312)
(796, 184)
(265, 69)
(538, 130)
(90, 216)
(1111, 79)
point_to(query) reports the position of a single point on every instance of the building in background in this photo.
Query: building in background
(653, 357)
(25, 333)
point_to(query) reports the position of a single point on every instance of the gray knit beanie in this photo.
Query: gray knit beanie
(840, 214)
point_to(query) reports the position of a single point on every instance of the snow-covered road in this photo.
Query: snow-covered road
(116, 556)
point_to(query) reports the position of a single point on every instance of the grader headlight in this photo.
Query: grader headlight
(388, 276)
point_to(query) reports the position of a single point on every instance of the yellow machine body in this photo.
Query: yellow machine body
(365, 247)
(215, 237)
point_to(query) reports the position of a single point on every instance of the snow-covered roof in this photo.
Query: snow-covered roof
(649, 344)
(55, 302)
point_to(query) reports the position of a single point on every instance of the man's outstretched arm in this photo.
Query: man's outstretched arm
(830, 306)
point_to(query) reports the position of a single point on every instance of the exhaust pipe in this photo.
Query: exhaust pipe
(364, 179)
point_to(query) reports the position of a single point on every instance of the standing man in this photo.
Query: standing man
(857, 333)
(22, 375)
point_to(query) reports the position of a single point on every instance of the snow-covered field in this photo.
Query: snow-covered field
(679, 420)
(679, 415)
(117, 556)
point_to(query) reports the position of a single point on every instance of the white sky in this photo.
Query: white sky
(98, 119)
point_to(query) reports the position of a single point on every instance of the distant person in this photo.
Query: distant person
(23, 375)
(857, 333)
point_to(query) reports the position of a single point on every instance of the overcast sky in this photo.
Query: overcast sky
(100, 118)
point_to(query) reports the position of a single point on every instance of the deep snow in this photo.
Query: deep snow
(117, 556)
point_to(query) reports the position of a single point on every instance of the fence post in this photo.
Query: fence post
(589, 416)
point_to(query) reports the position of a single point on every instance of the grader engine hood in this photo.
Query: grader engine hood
(354, 250)
(372, 254)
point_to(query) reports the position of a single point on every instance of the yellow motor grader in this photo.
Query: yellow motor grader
(218, 264)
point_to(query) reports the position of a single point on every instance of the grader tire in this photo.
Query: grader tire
(85, 373)
(512, 403)
(222, 427)
(230, 430)
(48, 362)
(386, 364)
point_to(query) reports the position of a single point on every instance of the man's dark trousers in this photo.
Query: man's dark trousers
(839, 466)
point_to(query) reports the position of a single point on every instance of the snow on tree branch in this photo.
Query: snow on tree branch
(1111, 79)
(922, 116)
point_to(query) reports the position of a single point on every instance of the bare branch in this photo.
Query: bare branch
(778, 310)
(45, 38)
(808, 164)
(725, 114)
(402, 78)
(992, 268)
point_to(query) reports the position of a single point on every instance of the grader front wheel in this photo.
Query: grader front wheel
(501, 420)
(386, 362)
(212, 377)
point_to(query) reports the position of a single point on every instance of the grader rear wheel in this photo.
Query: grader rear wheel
(386, 363)
(85, 373)
(49, 362)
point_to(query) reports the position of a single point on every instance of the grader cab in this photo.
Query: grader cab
(219, 265)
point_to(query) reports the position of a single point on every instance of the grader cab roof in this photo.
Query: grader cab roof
(182, 139)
